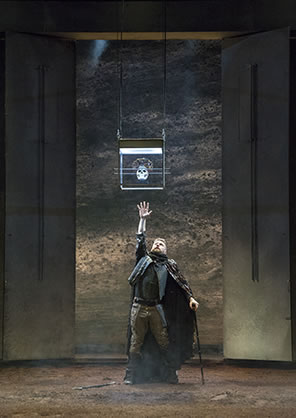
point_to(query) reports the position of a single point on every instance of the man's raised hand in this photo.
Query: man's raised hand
(144, 211)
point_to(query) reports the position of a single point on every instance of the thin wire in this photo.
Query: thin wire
(121, 66)
(164, 89)
(120, 72)
(164, 63)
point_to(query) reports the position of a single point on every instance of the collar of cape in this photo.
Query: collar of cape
(171, 266)
(158, 257)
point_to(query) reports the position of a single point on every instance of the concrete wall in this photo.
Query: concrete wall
(187, 213)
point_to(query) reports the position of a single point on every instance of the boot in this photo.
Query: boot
(131, 370)
(170, 369)
(129, 378)
(172, 376)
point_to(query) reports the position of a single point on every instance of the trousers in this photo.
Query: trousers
(142, 318)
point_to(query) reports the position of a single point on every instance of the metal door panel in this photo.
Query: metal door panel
(40, 198)
(257, 323)
(2, 184)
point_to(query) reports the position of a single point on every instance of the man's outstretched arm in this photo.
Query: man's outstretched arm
(143, 214)
(141, 241)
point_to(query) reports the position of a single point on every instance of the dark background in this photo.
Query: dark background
(187, 213)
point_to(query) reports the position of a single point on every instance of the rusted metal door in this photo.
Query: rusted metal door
(39, 276)
(256, 197)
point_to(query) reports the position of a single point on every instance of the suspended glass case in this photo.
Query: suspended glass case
(141, 163)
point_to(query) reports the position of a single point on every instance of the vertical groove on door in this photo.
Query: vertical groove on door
(2, 191)
(41, 162)
(292, 192)
(254, 212)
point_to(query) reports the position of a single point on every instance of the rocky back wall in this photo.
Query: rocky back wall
(187, 213)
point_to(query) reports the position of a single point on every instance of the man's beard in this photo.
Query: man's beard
(157, 255)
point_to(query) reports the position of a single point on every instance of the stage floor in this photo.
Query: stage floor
(35, 390)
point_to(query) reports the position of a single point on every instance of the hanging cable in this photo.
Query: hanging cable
(164, 62)
(139, 146)
(119, 131)
(118, 70)
(164, 37)
(164, 88)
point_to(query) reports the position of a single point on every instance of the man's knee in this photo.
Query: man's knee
(136, 345)
(161, 335)
(163, 339)
(159, 331)
(138, 328)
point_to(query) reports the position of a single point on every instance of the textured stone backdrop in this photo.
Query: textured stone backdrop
(187, 213)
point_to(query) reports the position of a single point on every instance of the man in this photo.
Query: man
(161, 325)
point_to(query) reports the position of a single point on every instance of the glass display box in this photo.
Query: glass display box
(142, 163)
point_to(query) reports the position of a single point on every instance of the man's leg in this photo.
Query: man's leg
(139, 328)
(160, 332)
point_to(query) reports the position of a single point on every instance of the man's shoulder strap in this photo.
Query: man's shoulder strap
(145, 259)
(139, 269)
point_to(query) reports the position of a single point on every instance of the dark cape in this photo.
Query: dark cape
(181, 327)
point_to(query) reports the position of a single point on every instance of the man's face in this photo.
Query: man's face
(159, 247)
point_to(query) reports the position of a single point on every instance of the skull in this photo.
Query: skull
(142, 173)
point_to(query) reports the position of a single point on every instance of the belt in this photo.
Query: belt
(146, 302)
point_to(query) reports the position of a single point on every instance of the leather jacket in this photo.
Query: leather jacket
(144, 260)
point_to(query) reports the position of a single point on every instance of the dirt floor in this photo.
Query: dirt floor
(229, 391)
